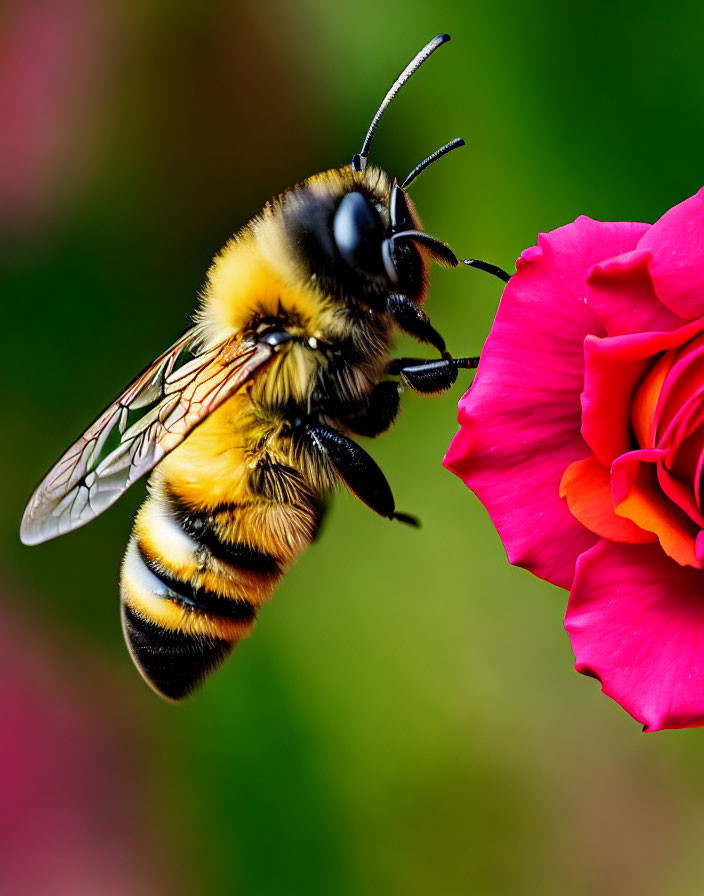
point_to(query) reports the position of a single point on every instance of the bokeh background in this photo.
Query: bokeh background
(406, 718)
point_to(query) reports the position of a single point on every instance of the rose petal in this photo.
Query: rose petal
(520, 420)
(636, 495)
(677, 257)
(613, 367)
(683, 381)
(675, 441)
(520, 493)
(682, 443)
(680, 494)
(586, 486)
(699, 483)
(645, 399)
(683, 424)
(636, 622)
(621, 292)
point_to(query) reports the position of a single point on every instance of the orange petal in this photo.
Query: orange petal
(586, 487)
(686, 456)
(637, 496)
(646, 397)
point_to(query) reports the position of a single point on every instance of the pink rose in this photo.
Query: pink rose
(583, 435)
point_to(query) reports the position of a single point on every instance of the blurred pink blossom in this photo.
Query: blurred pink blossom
(52, 55)
(72, 797)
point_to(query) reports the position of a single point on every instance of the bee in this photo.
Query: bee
(246, 421)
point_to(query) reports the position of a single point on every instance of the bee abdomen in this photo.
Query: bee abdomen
(171, 661)
(199, 599)
(177, 631)
(240, 555)
(193, 579)
(189, 595)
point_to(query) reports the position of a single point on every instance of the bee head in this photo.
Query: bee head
(358, 236)
(357, 233)
(391, 247)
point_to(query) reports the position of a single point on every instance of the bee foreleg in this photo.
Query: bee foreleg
(488, 268)
(414, 321)
(430, 377)
(358, 470)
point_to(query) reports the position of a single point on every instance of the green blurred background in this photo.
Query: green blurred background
(406, 718)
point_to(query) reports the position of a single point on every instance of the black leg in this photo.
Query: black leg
(430, 377)
(381, 412)
(493, 269)
(358, 470)
(414, 321)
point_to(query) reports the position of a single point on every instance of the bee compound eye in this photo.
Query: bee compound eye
(274, 337)
(359, 233)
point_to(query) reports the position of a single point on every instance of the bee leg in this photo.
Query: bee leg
(381, 412)
(430, 377)
(414, 321)
(488, 268)
(358, 470)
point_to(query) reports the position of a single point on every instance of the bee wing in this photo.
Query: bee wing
(172, 396)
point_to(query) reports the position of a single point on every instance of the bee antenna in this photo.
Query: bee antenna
(359, 161)
(438, 154)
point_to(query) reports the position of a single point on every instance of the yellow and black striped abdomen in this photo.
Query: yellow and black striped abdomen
(209, 547)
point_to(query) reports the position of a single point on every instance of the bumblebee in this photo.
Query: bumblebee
(246, 420)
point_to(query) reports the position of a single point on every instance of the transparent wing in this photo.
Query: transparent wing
(172, 396)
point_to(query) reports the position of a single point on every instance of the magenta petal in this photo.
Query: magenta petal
(520, 494)
(613, 367)
(680, 388)
(520, 420)
(676, 243)
(636, 622)
(620, 291)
